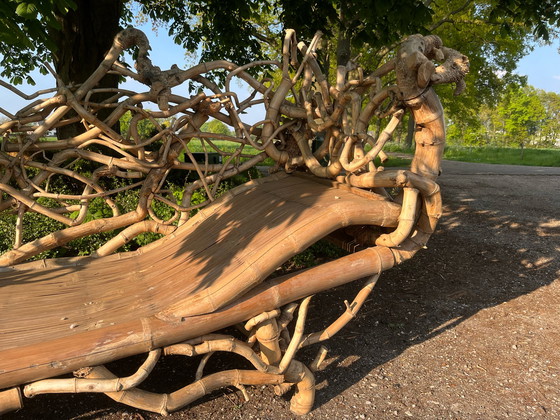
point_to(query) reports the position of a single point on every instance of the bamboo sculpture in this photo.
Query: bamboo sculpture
(211, 270)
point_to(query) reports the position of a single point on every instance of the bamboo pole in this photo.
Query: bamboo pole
(168, 403)
(10, 400)
(297, 336)
(267, 334)
(298, 374)
(407, 219)
(349, 314)
(78, 385)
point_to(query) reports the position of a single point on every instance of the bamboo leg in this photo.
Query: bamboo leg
(407, 219)
(10, 400)
(350, 313)
(267, 335)
(298, 334)
(303, 399)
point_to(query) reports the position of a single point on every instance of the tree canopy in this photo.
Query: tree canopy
(75, 34)
(32, 31)
(522, 117)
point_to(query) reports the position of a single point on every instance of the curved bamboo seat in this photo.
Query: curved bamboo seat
(222, 252)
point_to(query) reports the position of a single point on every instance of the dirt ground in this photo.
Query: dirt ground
(468, 329)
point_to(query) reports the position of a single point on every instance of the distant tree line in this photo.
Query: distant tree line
(522, 117)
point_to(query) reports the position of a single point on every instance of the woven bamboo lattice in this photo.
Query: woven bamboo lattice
(210, 270)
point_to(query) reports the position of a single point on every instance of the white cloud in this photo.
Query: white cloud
(557, 77)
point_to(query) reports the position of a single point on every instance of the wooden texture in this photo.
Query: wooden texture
(256, 226)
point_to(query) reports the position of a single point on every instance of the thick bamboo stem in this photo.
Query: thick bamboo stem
(267, 334)
(10, 400)
(227, 344)
(64, 236)
(430, 191)
(407, 219)
(265, 316)
(130, 233)
(302, 401)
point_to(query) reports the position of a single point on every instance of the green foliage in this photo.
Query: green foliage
(223, 29)
(24, 40)
(217, 127)
(146, 127)
(550, 129)
(196, 146)
(375, 23)
(243, 30)
(35, 226)
(493, 54)
(316, 254)
(540, 15)
(522, 117)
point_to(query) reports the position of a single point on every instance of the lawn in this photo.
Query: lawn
(495, 155)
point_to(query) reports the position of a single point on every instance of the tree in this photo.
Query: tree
(494, 44)
(216, 126)
(522, 117)
(522, 114)
(549, 135)
(71, 32)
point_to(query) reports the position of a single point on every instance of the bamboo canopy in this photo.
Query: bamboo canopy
(212, 269)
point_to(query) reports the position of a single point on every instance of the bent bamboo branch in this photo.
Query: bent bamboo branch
(167, 403)
(77, 385)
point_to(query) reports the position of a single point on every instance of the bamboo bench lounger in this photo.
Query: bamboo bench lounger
(217, 268)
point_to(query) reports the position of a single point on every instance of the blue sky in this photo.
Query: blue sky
(542, 67)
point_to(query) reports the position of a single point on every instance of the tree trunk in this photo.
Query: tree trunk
(342, 49)
(410, 132)
(85, 36)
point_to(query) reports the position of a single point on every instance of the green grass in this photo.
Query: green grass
(494, 155)
(230, 147)
(504, 156)
(195, 146)
(394, 162)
